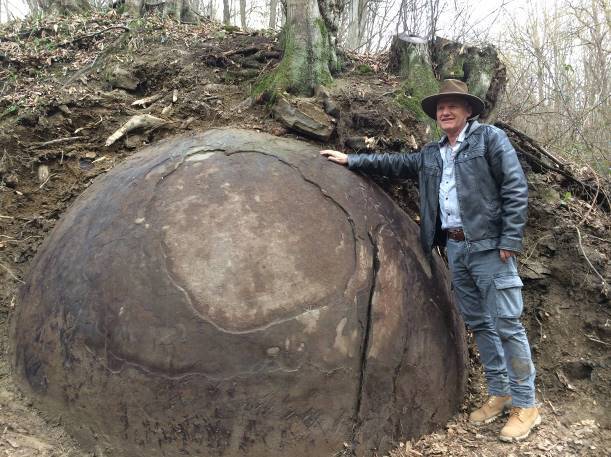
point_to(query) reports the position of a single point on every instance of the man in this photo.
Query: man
(473, 200)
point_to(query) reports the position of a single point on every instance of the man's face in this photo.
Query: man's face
(452, 114)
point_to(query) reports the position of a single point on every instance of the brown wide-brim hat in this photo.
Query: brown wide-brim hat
(452, 88)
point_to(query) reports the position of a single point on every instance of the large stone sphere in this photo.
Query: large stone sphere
(235, 294)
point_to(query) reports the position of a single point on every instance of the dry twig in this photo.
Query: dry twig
(10, 272)
(58, 140)
(605, 287)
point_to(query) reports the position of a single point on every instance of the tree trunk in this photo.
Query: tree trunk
(273, 6)
(309, 42)
(243, 14)
(177, 9)
(356, 23)
(226, 12)
(134, 7)
(63, 7)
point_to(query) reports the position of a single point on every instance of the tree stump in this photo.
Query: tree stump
(410, 59)
(407, 52)
(422, 63)
(479, 67)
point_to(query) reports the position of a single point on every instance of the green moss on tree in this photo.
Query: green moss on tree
(420, 82)
(303, 66)
(450, 57)
(280, 78)
(454, 68)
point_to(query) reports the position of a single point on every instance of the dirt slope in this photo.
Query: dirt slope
(68, 85)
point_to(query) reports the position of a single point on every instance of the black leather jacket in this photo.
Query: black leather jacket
(491, 187)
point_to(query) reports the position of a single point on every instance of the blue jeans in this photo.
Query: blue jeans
(489, 295)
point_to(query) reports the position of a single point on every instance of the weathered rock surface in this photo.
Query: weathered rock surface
(304, 117)
(233, 293)
(123, 79)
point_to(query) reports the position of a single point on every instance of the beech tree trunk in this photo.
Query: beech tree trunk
(63, 7)
(273, 6)
(309, 41)
(243, 14)
(178, 9)
(226, 12)
(357, 22)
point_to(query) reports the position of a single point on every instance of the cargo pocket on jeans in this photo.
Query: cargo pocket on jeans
(508, 295)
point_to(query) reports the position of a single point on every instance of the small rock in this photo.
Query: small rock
(133, 141)
(533, 269)
(123, 79)
(11, 181)
(305, 117)
(90, 155)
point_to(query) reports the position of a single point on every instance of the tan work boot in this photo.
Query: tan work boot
(494, 407)
(521, 422)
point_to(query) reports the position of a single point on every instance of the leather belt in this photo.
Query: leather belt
(456, 234)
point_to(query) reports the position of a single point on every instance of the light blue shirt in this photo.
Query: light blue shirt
(448, 198)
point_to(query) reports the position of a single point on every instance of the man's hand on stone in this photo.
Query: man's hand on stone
(506, 254)
(335, 156)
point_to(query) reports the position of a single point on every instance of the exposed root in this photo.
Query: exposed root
(136, 122)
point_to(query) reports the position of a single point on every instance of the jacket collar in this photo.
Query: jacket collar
(471, 127)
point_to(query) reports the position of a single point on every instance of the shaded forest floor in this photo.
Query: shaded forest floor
(68, 85)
